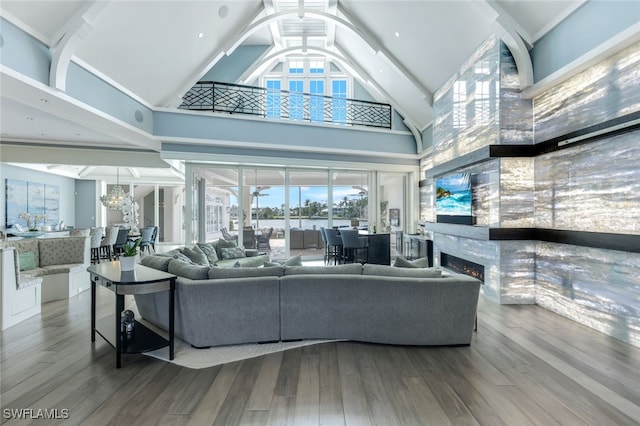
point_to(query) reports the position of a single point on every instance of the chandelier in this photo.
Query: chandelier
(116, 197)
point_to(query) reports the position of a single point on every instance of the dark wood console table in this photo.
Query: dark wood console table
(142, 280)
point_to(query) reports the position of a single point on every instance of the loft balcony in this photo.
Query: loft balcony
(282, 104)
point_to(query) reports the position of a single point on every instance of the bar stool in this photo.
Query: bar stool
(334, 245)
(352, 243)
(95, 236)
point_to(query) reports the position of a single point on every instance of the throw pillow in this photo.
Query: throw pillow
(401, 262)
(221, 244)
(209, 249)
(27, 261)
(293, 261)
(232, 252)
(196, 255)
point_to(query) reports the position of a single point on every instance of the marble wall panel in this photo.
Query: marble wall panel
(605, 91)
(517, 272)
(516, 114)
(593, 187)
(596, 287)
(466, 108)
(517, 201)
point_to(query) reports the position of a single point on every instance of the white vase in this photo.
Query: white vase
(128, 263)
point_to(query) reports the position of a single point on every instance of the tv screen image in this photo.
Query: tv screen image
(453, 199)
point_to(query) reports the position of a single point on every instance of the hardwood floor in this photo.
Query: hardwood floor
(526, 366)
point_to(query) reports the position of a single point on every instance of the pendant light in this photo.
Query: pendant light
(113, 201)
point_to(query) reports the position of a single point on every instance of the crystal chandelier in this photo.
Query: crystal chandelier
(115, 198)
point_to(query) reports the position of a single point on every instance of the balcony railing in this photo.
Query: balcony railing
(282, 104)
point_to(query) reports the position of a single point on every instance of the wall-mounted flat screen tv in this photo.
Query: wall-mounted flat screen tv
(453, 199)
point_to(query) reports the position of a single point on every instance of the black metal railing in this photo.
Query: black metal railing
(282, 104)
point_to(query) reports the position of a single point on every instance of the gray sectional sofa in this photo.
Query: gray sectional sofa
(369, 303)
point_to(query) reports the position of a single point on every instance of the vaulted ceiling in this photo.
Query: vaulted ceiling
(400, 51)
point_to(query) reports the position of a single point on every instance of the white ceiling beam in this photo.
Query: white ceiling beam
(86, 171)
(495, 12)
(133, 172)
(71, 35)
(273, 27)
(332, 8)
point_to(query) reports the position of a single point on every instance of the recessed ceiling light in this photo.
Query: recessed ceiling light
(223, 11)
(380, 70)
(200, 35)
(397, 34)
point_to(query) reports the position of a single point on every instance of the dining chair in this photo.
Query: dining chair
(154, 236)
(121, 241)
(334, 244)
(145, 235)
(95, 235)
(263, 240)
(352, 243)
(323, 235)
(106, 245)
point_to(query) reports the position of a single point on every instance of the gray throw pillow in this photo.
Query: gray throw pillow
(160, 263)
(221, 244)
(392, 271)
(209, 249)
(421, 262)
(232, 252)
(182, 269)
(196, 255)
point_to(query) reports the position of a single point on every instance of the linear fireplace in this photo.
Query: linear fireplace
(462, 266)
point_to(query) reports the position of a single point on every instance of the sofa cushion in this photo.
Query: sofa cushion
(392, 271)
(350, 269)
(196, 255)
(27, 261)
(183, 269)
(232, 252)
(220, 244)
(271, 271)
(158, 262)
(402, 262)
(209, 249)
(66, 250)
(63, 269)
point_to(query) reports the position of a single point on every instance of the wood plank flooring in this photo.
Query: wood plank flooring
(526, 366)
